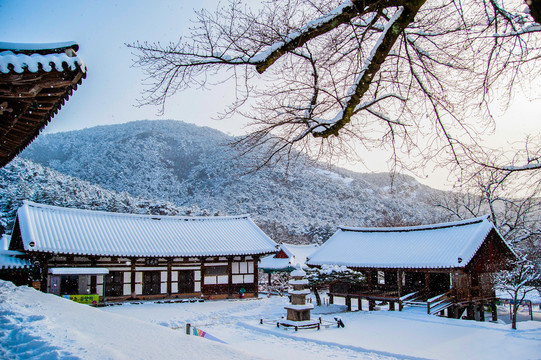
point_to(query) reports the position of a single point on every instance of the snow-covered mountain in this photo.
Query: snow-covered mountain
(192, 166)
(24, 180)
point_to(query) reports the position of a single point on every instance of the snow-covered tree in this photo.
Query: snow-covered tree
(327, 274)
(23, 180)
(524, 277)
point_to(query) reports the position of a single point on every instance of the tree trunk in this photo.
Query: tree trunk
(316, 294)
(514, 317)
(515, 311)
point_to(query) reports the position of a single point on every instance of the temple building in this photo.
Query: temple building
(116, 257)
(446, 266)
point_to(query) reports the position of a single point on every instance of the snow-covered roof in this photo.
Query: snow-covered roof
(271, 263)
(9, 259)
(18, 58)
(78, 271)
(55, 229)
(446, 245)
(36, 80)
(297, 255)
(13, 262)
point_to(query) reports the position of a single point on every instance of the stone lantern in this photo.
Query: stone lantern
(298, 312)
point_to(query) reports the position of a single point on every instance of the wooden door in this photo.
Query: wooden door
(114, 283)
(185, 281)
(151, 282)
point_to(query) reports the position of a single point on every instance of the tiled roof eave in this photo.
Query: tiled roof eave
(20, 72)
(150, 255)
(393, 267)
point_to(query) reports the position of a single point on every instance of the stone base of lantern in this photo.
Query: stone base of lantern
(306, 324)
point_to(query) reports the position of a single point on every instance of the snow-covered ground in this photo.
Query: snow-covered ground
(43, 326)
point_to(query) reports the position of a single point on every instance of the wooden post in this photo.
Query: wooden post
(391, 305)
(427, 283)
(202, 277)
(494, 311)
(229, 277)
(348, 302)
(331, 299)
(256, 275)
(482, 311)
(470, 311)
(360, 303)
(169, 276)
(93, 284)
(399, 282)
(93, 278)
(133, 260)
(371, 305)
(44, 276)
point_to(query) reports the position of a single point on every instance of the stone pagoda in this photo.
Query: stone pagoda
(298, 312)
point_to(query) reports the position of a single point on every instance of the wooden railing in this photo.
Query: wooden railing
(439, 302)
(409, 299)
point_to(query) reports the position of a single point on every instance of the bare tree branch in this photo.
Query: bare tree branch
(413, 76)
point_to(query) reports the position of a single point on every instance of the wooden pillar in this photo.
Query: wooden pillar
(348, 302)
(229, 277)
(494, 311)
(93, 284)
(202, 266)
(360, 303)
(399, 282)
(391, 305)
(169, 273)
(482, 311)
(133, 261)
(331, 299)
(256, 275)
(470, 315)
(93, 278)
(427, 282)
(44, 276)
(371, 305)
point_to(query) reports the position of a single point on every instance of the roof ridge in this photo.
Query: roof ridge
(29, 203)
(39, 48)
(417, 227)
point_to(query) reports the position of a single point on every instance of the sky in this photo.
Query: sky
(109, 93)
